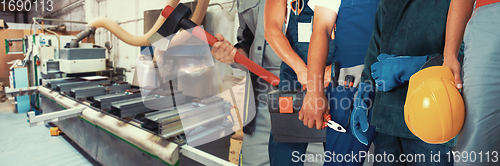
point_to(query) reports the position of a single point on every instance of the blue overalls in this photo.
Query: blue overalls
(354, 28)
(281, 153)
(298, 24)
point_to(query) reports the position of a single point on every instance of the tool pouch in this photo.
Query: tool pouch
(284, 107)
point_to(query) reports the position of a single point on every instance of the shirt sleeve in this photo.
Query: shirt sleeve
(245, 39)
(330, 4)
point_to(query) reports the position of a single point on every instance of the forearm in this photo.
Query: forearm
(279, 43)
(318, 53)
(273, 24)
(318, 47)
(458, 15)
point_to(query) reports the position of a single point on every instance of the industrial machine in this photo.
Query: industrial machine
(117, 125)
(109, 118)
(111, 122)
(73, 86)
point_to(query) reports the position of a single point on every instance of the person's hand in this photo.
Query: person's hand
(223, 51)
(313, 109)
(454, 65)
(328, 76)
(359, 115)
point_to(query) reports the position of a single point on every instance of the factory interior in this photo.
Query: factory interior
(76, 91)
(248, 82)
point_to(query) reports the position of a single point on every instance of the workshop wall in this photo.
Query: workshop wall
(13, 17)
(73, 10)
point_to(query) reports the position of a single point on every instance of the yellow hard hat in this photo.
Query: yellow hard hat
(434, 108)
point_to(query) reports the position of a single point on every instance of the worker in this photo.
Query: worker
(292, 47)
(354, 25)
(405, 35)
(252, 44)
(479, 133)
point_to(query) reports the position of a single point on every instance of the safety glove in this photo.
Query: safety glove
(393, 70)
(362, 105)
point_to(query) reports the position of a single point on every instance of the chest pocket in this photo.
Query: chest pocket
(249, 10)
(359, 2)
(305, 31)
(304, 23)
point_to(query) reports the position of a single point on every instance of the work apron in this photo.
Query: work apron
(287, 127)
(354, 28)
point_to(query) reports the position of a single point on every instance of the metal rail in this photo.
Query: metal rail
(82, 93)
(21, 92)
(54, 116)
(104, 102)
(66, 87)
(203, 157)
(139, 105)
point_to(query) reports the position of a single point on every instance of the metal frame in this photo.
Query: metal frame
(82, 93)
(52, 84)
(7, 51)
(104, 102)
(53, 116)
(21, 91)
(66, 87)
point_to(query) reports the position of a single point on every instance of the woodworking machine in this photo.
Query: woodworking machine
(116, 124)
(115, 116)
(77, 89)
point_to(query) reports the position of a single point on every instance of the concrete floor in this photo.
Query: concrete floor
(24, 145)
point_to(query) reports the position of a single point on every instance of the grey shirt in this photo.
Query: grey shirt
(251, 19)
(254, 150)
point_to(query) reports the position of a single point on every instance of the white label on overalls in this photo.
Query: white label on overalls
(305, 31)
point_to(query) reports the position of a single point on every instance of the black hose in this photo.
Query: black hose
(80, 36)
(97, 46)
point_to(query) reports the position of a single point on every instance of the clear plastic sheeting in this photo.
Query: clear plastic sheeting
(146, 72)
(183, 63)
